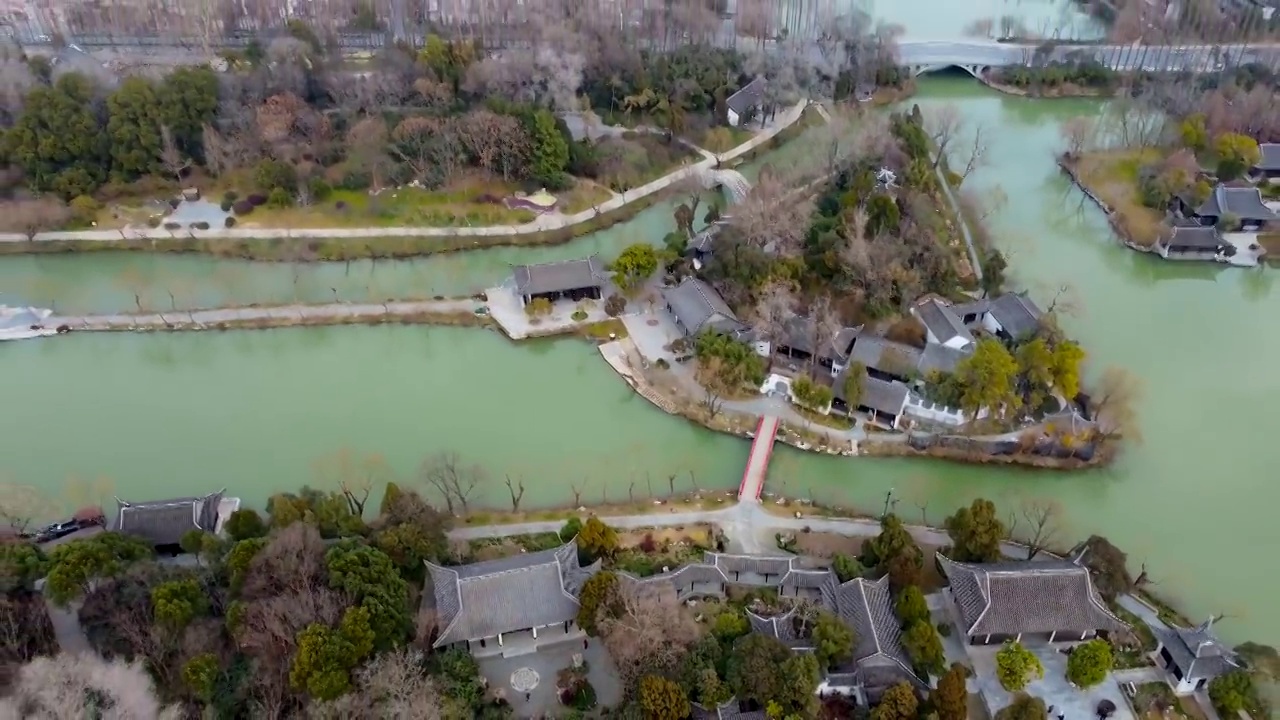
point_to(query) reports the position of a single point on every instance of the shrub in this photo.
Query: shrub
(274, 174)
(647, 544)
(944, 629)
(538, 307)
(172, 226)
(662, 364)
(226, 205)
(578, 316)
(355, 181)
(153, 222)
(200, 225)
(280, 198)
(230, 221)
(320, 190)
(84, 209)
(175, 202)
(614, 306)
(242, 207)
(340, 205)
(230, 196)
(256, 199)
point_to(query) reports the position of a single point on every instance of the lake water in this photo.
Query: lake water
(165, 415)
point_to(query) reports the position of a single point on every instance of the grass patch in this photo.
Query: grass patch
(600, 331)
(832, 421)
(336, 249)
(721, 139)
(637, 158)
(472, 200)
(585, 195)
(1113, 177)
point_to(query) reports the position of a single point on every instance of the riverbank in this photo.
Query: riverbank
(739, 418)
(1057, 92)
(338, 244)
(1109, 179)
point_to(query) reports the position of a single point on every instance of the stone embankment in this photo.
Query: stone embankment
(427, 312)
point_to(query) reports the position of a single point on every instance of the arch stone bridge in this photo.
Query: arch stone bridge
(978, 56)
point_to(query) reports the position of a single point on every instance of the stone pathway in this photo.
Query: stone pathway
(331, 313)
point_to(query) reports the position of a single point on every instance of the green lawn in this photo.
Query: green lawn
(461, 205)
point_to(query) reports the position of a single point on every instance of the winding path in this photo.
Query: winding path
(552, 221)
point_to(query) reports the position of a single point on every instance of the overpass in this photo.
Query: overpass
(978, 56)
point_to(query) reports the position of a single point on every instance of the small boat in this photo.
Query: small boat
(21, 323)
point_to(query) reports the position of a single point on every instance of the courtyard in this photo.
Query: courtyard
(1066, 701)
(533, 675)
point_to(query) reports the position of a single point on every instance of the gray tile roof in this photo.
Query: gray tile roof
(163, 522)
(704, 242)
(1016, 314)
(1197, 236)
(1243, 202)
(884, 355)
(1269, 157)
(1009, 598)
(799, 333)
(942, 321)
(883, 396)
(867, 607)
(560, 276)
(748, 97)
(1197, 651)
(524, 591)
(940, 358)
(699, 307)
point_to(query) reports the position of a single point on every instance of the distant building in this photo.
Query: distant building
(1197, 242)
(1230, 209)
(1052, 599)
(878, 661)
(747, 103)
(697, 307)
(164, 522)
(1193, 656)
(1268, 167)
(574, 280)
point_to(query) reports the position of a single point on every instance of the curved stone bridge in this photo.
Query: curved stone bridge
(979, 56)
(732, 180)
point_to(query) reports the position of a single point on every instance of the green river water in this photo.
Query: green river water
(164, 415)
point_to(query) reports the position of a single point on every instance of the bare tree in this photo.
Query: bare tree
(775, 306)
(22, 505)
(517, 492)
(1115, 400)
(455, 482)
(392, 685)
(355, 476)
(170, 157)
(33, 216)
(76, 685)
(943, 124)
(825, 323)
(1079, 133)
(975, 153)
(649, 633)
(711, 376)
(772, 217)
(577, 489)
(1043, 519)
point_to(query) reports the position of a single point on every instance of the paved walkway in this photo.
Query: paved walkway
(543, 223)
(335, 313)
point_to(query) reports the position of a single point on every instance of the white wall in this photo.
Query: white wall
(918, 407)
(733, 118)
